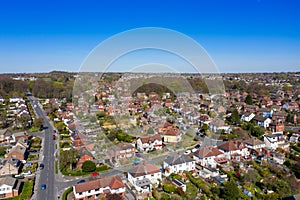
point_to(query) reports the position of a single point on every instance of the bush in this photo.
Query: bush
(88, 166)
(165, 196)
(102, 168)
(169, 188)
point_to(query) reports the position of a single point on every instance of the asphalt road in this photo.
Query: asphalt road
(47, 175)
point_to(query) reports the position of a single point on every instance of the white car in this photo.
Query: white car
(194, 150)
(26, 173)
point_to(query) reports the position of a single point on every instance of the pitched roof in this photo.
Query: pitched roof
(113, 182)
(208, 151)
(253, 141)
(178, 159)
(144, 169)
(122, 146)
(150, 138)
(8, 180)
(5, 132)
(172, 132)
(231, 145)
(19, 149)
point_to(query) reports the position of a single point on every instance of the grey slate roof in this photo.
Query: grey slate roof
(178, 159)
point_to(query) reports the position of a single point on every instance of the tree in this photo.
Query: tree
(205, 127)
(249, 100)
(2, 151)
(88, 166)
(235, 118)
(68, 159)
(150, 131)
(38, 122)
(230, 191)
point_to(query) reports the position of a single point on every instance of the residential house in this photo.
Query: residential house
(278, 157)
(234, 149)
(217, 125)
(254, 145)
(247, 117)
(121, 151)
(15, 99)
(6, 136)
(205, 156)
(8, 167)
(178, 164)
(292, 106)
(18, 135)
(9, 187)
(150, 142)
(84, 155)
(172, 135)
(276, 140)
(262, 121)
(17, 152)
(295, 137)
(208, 172)
(140, 172)
(276, 126)
(267, 113)
(99, 188)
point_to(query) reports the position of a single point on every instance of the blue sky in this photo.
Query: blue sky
(239, 35)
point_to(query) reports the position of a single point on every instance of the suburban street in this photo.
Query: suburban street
(47, 175)
(55, 183)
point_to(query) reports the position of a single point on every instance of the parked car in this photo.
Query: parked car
(26, 173)
(19, 176)
(42, 166)
(43, 187)
(32, 151)
(81, 181)
(187, 152)
(94, 174)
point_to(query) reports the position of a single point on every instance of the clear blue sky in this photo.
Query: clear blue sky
(240, 35)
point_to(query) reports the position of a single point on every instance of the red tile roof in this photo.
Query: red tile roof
(232, 145)
(150, 138)
(114, 182)
(144, 169)
(207, 152)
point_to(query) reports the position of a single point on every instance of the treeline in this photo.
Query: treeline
(50, 85)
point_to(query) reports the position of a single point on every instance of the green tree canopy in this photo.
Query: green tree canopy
(88, 166)
(249, 100)
(230, 191)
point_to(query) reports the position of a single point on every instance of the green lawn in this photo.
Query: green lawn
(65, 194)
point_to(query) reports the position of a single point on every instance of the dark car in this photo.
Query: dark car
(43, 187)
(81, 181)
(32, 151)
(42, 166)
